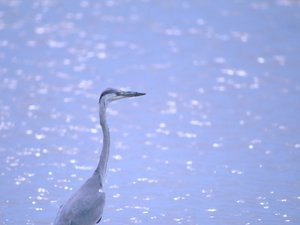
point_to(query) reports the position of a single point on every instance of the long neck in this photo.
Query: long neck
(102, 165)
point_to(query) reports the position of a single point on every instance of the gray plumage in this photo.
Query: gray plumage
(85, 206)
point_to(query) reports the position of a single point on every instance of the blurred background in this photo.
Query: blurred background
(214, 141)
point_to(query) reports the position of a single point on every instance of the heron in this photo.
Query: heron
(85, 206)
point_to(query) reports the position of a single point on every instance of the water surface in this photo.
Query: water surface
(214, 141)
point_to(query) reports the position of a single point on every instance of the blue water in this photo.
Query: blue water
(214, 141)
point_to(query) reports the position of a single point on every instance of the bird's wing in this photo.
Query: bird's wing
(73, 223)
(85, 206)
(99, 220)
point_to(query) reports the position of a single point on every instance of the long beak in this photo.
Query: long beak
(131, 94)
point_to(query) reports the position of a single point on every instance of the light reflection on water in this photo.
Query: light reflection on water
(214, 141)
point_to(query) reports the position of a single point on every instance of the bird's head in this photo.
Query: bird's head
(111, 94)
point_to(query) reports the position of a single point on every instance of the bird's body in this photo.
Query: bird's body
(85, 206)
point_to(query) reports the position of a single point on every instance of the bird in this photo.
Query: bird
(85, 206)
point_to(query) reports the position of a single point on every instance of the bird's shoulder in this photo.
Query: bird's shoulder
(90, 191)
